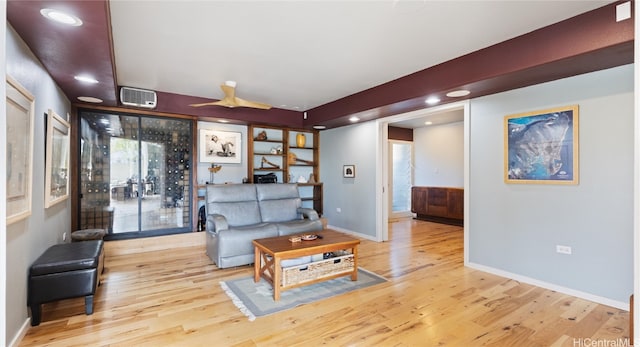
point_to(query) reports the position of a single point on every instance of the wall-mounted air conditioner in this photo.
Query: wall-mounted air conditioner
(138, 97)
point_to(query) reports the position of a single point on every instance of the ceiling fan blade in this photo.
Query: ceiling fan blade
(230, 100)
(252, 104)
(214, 103)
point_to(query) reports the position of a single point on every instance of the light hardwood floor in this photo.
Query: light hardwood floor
(173, 298)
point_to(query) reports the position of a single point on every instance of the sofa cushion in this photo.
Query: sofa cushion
(298, 226)
(236, 202)
(237, 241)
(278, 202)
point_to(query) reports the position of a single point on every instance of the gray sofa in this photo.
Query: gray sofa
(240, 213)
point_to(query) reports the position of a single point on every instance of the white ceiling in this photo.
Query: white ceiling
(297, 55)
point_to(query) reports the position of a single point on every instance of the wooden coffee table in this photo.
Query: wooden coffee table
(270, 252)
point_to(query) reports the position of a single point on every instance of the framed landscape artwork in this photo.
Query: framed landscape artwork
(20, 118)
(220, 146)
(56, 187)
(542, 147)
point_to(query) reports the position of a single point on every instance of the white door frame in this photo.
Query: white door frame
(382, 165)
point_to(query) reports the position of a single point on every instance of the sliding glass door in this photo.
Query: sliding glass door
(135, 174)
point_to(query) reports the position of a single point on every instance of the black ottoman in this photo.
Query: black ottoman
(64, 271)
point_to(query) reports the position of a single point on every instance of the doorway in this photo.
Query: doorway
(135, 174)
(400, 178)
(439, 115)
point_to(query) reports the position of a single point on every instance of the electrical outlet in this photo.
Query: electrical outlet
(64, 236)
(339, 210)
(563, 249)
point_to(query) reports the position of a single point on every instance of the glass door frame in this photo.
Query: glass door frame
(76, 189)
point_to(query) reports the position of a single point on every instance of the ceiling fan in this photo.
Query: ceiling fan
(231, 100)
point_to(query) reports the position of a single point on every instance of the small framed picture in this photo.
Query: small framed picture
(349, 171)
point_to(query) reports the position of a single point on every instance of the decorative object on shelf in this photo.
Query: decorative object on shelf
(213, 169)
(262, 136)
(57, 160)
(220, 146)
(301, 139)
(276, 150)
(542, 146)
(267, 162)
(349, 171)
(20, 119)
(301, 179)
(293, 159)
(312, 178)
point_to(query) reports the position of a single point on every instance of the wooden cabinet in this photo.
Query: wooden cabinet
(278, 152)
(438, 204)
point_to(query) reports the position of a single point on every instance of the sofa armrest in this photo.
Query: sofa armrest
(308, 213)
(216, 223)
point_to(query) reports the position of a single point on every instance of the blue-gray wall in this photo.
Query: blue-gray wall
(515, 228)
(512, 228)
(28, 238)
(356, 197)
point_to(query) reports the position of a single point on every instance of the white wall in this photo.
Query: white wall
(355, 197)
(230, 172)
(439, 155)
(29, 238)
(515, 228)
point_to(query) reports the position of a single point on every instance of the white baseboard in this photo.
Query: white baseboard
(15, 342)
(560, 289)
(353, 233)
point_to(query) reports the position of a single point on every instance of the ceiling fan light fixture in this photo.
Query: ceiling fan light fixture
(458, 93)
(61, 17)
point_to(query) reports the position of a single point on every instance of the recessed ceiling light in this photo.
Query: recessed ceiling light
(90, 99)
(354, 119)
(86, 79)
(61, 17)
(428, 123)
(432, 100)
(319, 127)
(223, 121)
(458, 93)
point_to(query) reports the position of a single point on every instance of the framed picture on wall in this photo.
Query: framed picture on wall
(20, 118)
(220, 146)
(56, 188)
(349, 171)
(541, 147)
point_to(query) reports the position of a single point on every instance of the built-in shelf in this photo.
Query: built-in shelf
(283, 140)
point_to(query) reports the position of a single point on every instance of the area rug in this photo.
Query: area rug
(256, 299)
